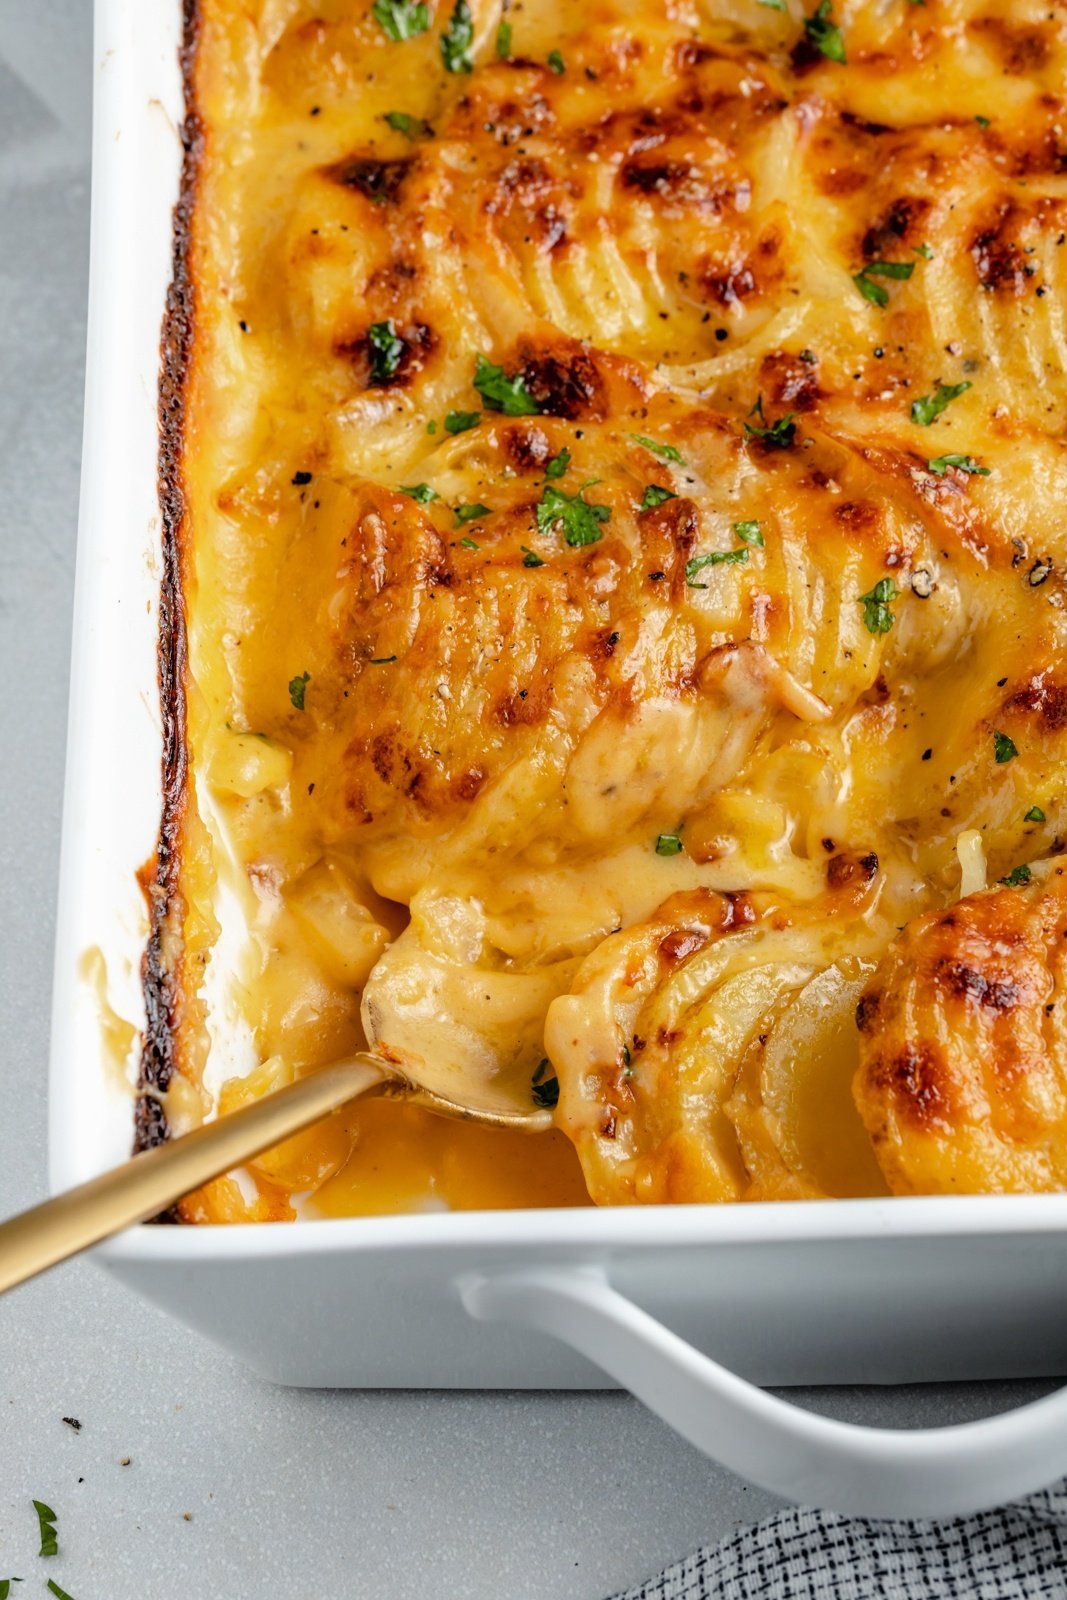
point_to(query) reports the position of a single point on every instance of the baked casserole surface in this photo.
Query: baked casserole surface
(614, 487)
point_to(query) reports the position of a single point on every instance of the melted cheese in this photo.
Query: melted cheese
(432, 757)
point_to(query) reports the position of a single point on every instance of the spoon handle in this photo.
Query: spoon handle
(141, 1188)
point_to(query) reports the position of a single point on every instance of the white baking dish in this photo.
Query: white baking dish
(848, 1291)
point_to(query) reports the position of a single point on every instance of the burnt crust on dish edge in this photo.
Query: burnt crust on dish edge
(160, 974)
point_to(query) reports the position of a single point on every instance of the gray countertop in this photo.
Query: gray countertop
(189, 1477)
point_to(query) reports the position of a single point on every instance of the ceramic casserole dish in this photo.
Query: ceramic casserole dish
(690, 1307)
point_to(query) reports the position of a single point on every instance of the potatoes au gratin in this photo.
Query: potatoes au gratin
(613, 630)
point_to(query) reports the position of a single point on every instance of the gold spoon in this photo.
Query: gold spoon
(141, 1188)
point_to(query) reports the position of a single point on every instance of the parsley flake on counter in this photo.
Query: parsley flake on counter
(386, 349)
(1017, 877)
(5, 1586)
(47, 1520)
(655, 496)
(545, 1091)
(401, 19)
(556, 466)
(579, 518)
(668, 844)
(1004, 749)
(556, 63)
(460, 421)
(864, 280)
(457, 39)
(961, 463)
(503, 42)
(1035, 814)
(666, 451)
(530, 558)
(297, 689)
(420, 492)
(469, 513)
(501, 393)
(60, 1594)
(750, 533)
(717, 558)
(929, 407)
(778, 435)
(824, 33)
(877, 617)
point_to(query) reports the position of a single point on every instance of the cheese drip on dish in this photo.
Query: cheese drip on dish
(622, 559)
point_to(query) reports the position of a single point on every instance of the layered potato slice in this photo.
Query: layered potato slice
(962, 1083)
(705, 1054)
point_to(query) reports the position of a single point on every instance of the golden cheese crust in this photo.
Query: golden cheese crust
(623, 465)
(962, 1082)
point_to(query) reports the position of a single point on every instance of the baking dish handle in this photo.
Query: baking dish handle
(874, 1472)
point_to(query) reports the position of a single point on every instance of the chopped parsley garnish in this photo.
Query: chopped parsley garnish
(503, 42)
(411, 127)
(668, 844)
(749, 533)
(961, 463)
(47, 1519)
(655, 496)
(60, 1594)
(386, 349)
(929, 407)
(298, 688)
(923, 250)
(470, 544)
(457, 39)
(530, 558)
(1004, 749)
(545, 1091)
(460, 421)
(874, 292)
(1035, 814)
(401, 19)
(501, 393)
(420, 492)
(772, 5)
(717, 558)
(824, 33)
(779, 435)
(666, 451)
(877, 617)
(469, 513)
(381, 661)
(556, 63)
(556, 466)
(431, 426)
(1017, 877)
(983, 122)
(579, 519)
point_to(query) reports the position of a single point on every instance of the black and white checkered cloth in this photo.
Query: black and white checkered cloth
(1016, 1553)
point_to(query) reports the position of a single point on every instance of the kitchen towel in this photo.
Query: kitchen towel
(1016, 1553)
